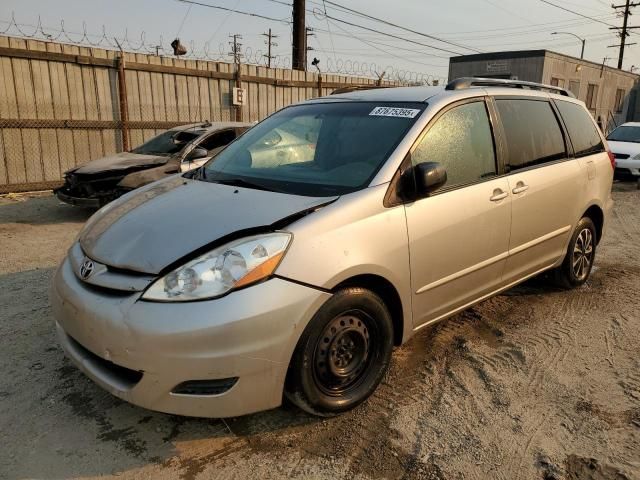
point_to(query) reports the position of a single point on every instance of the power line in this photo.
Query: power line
(391, 35)
(333, 47)
(250, 14)
(224, 20)
(378, 48)
(594, 19)
(183, 20)
(502, 8)
(426, 35)
(551, 25)
(378, 42)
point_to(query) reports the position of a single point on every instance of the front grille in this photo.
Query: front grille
(205, 387)
(123, 375)
(621, 156)
(106, 278)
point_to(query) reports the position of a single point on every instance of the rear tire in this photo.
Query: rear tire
(342, 355)
(581, 253)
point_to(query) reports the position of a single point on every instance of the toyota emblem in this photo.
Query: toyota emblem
(86, 269)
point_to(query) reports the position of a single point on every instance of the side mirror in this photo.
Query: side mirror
(429, 177)
(197, 153)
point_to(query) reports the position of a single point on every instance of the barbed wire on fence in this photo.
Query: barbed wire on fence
(217, 53)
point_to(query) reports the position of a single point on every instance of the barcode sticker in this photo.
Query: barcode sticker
(394, 112)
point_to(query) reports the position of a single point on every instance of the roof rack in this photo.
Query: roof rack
(467, 82)
(355, 88)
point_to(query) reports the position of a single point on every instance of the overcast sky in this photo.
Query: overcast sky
(483, 25)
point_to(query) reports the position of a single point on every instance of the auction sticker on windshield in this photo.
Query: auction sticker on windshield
(394, 112)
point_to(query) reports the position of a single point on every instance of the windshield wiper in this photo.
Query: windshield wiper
(240, 182)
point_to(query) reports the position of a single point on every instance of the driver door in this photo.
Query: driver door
(459, 234)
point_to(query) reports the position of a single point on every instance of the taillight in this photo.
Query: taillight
(612, 159)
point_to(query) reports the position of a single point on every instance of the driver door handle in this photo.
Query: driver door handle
(519, 188)
(498, 195)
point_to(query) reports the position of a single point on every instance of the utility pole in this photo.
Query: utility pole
(270, 44)
(235, 52)
(623, 30)
(299, 52)
(235, 48)
(308, 33)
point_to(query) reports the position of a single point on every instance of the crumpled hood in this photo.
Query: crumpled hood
(627, 148)
(121, 161)
(152, 227)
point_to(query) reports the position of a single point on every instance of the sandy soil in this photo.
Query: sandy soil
(534, 384)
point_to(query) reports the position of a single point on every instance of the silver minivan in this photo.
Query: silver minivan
(265, 275)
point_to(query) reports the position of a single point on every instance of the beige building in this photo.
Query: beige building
(608, 92)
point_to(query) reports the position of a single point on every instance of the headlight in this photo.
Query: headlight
(231, 266)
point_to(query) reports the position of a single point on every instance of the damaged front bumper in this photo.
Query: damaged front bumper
(92, 191)
(164, 356)
(64, 196)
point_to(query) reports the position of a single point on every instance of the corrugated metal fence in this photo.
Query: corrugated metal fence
(63, 105)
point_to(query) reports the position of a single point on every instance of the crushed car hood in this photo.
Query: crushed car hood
(149, 229)
(121, 161)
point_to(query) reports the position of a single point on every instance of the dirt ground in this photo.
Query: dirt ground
(533, 384)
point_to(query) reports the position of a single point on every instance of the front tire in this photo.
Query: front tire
(581, 252)
(342, 354)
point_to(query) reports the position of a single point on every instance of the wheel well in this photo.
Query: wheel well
(597, 217)
(389, 295)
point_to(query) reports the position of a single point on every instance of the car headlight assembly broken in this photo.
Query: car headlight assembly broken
(231, 266)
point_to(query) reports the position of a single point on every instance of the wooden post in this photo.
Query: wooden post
(319, 85)
(124, 109)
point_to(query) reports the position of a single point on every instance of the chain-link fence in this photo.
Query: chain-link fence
(35, 152)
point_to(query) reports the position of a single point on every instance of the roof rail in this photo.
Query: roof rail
(467, 82)
(355, 88)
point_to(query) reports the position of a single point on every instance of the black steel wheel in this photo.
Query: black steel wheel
(342, 355)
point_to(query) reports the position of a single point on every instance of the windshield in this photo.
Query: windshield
(167, 143)
(625, 134)
(321, 149)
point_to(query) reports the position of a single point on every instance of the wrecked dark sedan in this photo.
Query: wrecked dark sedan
(176, 150)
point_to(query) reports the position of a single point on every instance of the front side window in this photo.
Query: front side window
(462, 142)
(532, 132)
(167, 143)
(218, 139)
(319, 149)
(582, 131)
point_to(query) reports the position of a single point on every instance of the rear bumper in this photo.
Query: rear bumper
(140, 351)
(627, 167)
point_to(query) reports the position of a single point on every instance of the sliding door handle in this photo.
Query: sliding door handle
(498, 195)
(519, 188)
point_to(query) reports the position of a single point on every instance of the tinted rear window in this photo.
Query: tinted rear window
(532, 132)
(584, 135)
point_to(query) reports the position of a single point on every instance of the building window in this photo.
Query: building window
(619, 103)
(574, 87)
(557, 82)
(592, 96)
